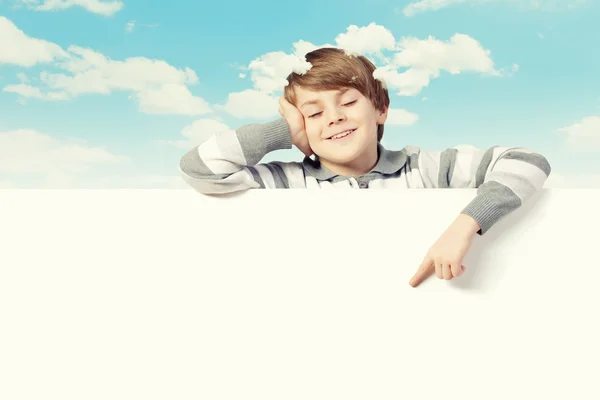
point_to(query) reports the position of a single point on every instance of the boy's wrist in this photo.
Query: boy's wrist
(466, 224)
(277, 135)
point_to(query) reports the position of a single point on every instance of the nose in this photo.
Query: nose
(336, 116)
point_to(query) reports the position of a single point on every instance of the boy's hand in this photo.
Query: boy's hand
(295, 120)
(446, 255)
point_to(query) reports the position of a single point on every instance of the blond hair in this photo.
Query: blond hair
(333, 69)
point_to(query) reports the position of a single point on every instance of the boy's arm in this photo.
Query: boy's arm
(227, 161)
(505, 179)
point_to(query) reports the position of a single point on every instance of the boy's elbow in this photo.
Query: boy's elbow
(191, 165)
(196, 175)
(191, 171)
(543, 163)
(540, 162)
(194, 181)
(530, 156)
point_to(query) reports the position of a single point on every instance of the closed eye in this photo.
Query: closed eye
(321, 112)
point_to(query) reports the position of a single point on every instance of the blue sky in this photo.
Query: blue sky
(108, 94)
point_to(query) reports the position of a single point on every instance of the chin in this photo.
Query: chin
(340, 156)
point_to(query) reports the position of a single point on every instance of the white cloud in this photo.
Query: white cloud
(251, 104)
(159, 87)
(370, 39)
(460, 53)
(397, 116)
(583, 136)
(197, 132)
(129, 26)
(94, 72)
(171, 98)
(19, 49)
(424, 59)
(68, 164)
(543, 5)
(269, 71)
(28, 91)
(106, 8)
(26, 151)
(22, 77)
(410, 82)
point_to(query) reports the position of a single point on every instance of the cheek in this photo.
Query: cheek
(313, 129)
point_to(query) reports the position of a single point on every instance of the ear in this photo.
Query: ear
(382, 115)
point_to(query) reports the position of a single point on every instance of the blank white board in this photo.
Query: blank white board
(293, 294)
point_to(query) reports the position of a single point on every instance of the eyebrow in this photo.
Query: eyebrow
(340, 92)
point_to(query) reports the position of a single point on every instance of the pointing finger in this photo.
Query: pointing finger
(425, 269)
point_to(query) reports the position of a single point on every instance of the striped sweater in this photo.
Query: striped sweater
(505, 177)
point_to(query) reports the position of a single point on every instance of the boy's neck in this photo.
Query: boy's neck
(361, 166)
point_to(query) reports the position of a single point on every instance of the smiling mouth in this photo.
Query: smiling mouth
(342, 135)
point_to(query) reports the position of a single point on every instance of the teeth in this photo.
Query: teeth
(341, 135)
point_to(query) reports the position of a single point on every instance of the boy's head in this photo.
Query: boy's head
(336, 94)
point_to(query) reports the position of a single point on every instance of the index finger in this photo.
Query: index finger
(425, 269)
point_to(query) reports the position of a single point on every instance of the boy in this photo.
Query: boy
(337, 112)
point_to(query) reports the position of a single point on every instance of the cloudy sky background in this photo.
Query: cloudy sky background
(110, 94)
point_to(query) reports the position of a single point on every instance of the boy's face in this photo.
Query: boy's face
(329, 113)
